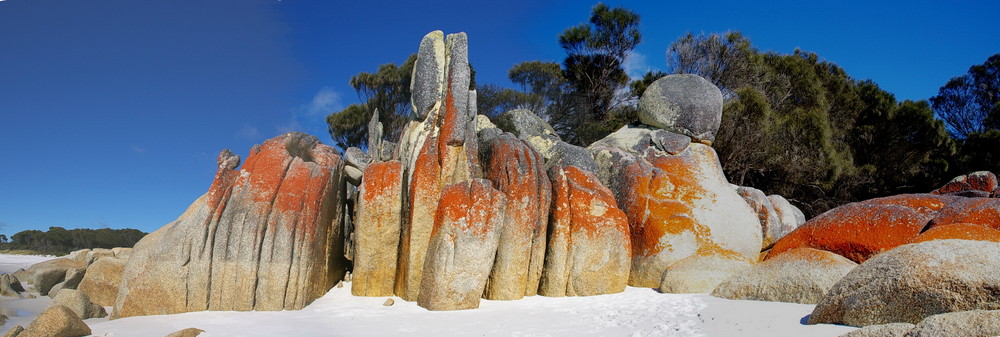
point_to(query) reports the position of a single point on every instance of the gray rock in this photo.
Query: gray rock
(974, 323)
(389, 302)
(10, 285)
(357, 158)
(56, 321)
(881, 330)
(3, 320)
(388, 149)
(789, 215)
(375, 137)
(702, 273)
(427, 86)
(25, 276)
(914, 281)
(46, 278)
(669, 142)
(353, 175)
(684, 103)
(80, 304)
(524, 124)
(801, 275)
(771, 226)
(565, 154)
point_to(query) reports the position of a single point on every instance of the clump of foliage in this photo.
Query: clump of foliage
(61, 241)
(799, 126)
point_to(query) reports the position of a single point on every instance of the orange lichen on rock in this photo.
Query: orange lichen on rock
(376, 231)
(424, 193)
(463, 246)
(963, 231)
(860, 230)
(516, 169)
(589, 250)
(980, 211)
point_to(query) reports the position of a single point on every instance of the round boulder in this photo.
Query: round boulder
(684, 103)
(914, 281)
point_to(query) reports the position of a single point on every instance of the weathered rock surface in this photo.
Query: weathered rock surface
(676, 203)
(10, 286)
(980, 211)
(527, 126)
(428, 84)
(376, 230)
(801, 275)
(588, 247)
(262, 238)
(80, 304)
(72, 280)
(702, 272)
(862, 229)
(973, 323)
(791, 217)
(49, 273)
(982, 181)
(438, 151)
(189, 332)
(882, 330)
(15, 331)
(963, 231)
(914, 281)
(97, 254)
(517, 170)
(684, 103)
(102, 280)
(56, 321)
(772, 228)
(463, 246)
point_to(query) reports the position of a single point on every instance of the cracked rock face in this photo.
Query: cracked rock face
(260, 239)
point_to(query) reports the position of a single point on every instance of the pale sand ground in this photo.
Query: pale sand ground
(636, 312)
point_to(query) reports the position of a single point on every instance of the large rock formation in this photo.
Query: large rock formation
(56, 321)
(376, 230)
(80, 304)
(517, 170)
(10, 285)
(862, 229)
(980, 211)
(262, 238)
(914, 281)
(801, 275)
(677, 201)
(438, 151)
(703, 271)
(102, 280)
(973, 323)
(981, 183)
(463, 246)
(588, 248)
(684, 103)
(963, 231)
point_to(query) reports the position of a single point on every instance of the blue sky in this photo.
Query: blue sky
(112, 112)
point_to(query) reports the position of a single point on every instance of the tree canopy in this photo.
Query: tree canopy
(61, 241)
(971, 103)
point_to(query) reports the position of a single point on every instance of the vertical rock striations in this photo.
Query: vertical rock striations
(517, 169)
(463, 246)
(262, 238)
(588, 251)
(377, 230)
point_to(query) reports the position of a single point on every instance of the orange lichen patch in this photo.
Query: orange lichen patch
(964, 231)
(381, 181)
(424, 193)
(921, 203)
(667, 191)
(593, 206)
(472, 207)
(978, 181)
(860, 230)
(980, 211)
(266, 169)
(710, 248)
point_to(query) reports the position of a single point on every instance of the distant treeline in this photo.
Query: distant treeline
(60, 241)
